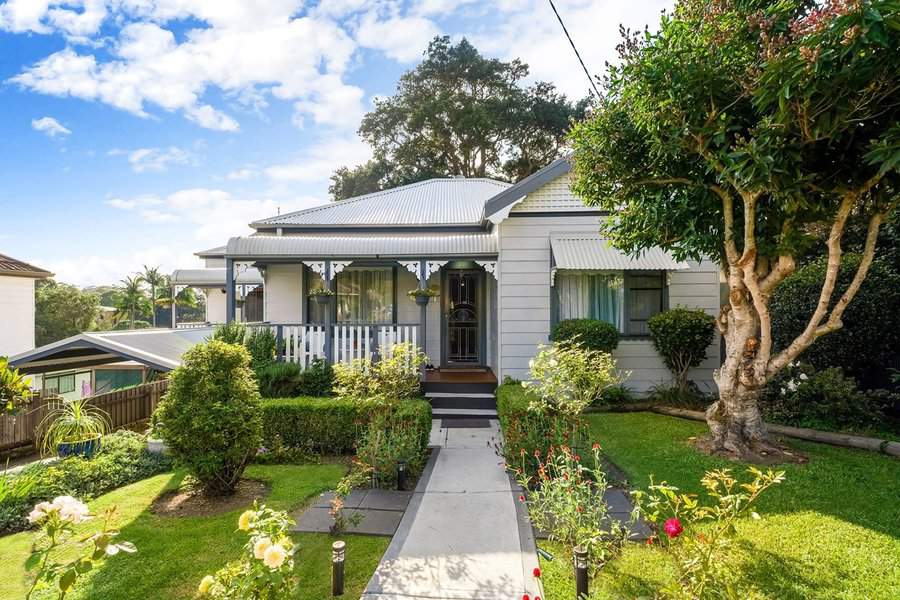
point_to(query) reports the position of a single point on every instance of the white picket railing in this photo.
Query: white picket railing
(303, 343)
(351, 342)
(390, 335)
(191, 325)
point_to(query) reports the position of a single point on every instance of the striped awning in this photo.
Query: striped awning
(590, 251)
(363, 245)
(214, 277)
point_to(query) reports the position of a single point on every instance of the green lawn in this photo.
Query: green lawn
(175, 553)
(831, 530)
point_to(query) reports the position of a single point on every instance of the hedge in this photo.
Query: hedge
(329, 425)
(590, 333)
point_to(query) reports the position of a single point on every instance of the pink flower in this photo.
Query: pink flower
(673, 528)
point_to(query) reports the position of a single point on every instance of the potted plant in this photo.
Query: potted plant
(73, 429)
(155, 442)
(422, 295)
(321, 295)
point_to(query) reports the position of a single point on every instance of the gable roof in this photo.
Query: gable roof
(17, 268)
(159, 349)
(514, 193)
(217, 252)
(451, 202)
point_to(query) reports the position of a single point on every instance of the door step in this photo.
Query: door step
(457, 395)
(463, 413)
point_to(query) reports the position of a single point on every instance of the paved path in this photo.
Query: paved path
(463, 536)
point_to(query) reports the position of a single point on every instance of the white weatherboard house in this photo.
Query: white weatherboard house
(17, 304)
(506, 262)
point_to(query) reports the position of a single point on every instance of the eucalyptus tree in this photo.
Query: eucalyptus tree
(736, 133)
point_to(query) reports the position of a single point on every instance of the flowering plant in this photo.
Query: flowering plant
(702, 536)
(358, 475)
(57, 520)
(567, 501)
(265, 571)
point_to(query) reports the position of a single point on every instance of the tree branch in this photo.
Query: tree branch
(731, 252)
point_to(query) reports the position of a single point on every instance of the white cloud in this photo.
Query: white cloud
(50, 126)
(318, 162)
(242, 174)
(401, 38)
(74, 18)
(155, 159)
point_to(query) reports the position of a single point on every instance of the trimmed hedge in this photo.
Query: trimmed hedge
(329, 425)
(593, 334)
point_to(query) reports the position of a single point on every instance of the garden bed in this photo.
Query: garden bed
(174, 553)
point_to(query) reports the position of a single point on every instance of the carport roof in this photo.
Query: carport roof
(159, 349)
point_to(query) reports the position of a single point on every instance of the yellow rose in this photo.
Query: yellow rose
(260, 547)
(205, 584)
(274, 556)
(244, 520)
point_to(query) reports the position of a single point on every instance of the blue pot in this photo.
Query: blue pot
(422, 300)
(85, 448)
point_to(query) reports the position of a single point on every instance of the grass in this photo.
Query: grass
(831, 530)
(175, 552)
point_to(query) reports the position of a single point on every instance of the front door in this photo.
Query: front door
(462, 310)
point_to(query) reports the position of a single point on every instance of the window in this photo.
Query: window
(364, 295)
(627, 300)
(63, 384)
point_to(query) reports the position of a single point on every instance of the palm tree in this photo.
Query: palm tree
(156, 280)
(132, 299)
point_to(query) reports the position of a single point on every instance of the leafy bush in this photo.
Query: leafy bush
(681, 336)
(567, 378)
(122, 459)
(384, 443)
(590, 333)
(332, 425)
(260, 343)
(211, 414)
(394, 377)
(617, 394)
(869, 341)
(284, 380)
(828, 399)
(233, 332)
(317, 379)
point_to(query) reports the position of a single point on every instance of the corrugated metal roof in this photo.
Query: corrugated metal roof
(436, 202)
(214, 277)
(18, 268)
(157, 348)
(216, 252)
(363, 245)
(590, 251)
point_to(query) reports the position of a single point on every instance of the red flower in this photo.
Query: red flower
(521, 498)
(577, 458)
(526, 597)
(581, 509)
(596, 446)
(673, 528)
(537, 453)
(536, 572)
(650, 541)
(522, 451)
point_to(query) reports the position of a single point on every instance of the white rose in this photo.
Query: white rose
(274, 556)
(40, 512)
(260, 547)
(803, 376)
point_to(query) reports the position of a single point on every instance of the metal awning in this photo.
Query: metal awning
(363, 245)
(159, 349)
(590, 251)
(214, 277)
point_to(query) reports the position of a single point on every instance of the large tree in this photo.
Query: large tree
(459, 113)
(132, 301)
(737, 132)
(62, 310)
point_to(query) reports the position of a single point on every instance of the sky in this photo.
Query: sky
(137, 132)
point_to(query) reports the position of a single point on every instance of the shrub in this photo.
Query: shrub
(122, 459)
(394, 377)
(211, 414)
(527, 434)
(332, 425)
(317, 379)
(617, 394)
(284, 380)
(590, 333)
(400, 434)
(260, 343)
(828, 399)
(567, 378)
(233, 332)
(869, 341)
(681, 337)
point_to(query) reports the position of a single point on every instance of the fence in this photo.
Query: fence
(302, 344)
(125, 408)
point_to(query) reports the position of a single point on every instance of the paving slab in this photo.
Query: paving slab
(353, 500)
(386, 500)
(374, 522)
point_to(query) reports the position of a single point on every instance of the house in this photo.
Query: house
(210, 280)
(506, 262)
(17, 304)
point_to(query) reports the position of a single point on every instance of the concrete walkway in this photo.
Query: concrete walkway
(463, 535)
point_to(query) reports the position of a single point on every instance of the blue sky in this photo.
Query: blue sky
(139, 131)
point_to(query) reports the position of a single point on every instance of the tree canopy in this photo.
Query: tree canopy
(459, 113)
(62, 310)
(738, 131)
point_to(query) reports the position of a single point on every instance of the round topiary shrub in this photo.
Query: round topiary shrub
(593, 334)
(211, 414)
(681, 337)
(868, 343)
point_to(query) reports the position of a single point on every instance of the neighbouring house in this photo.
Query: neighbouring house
(72, 384)
(505, 262)
(17, 304)
(210, 280)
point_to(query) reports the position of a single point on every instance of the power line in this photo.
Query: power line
(571, 43)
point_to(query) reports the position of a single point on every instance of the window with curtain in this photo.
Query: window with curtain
(591, 295)
(644, 298)
(364, 295)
